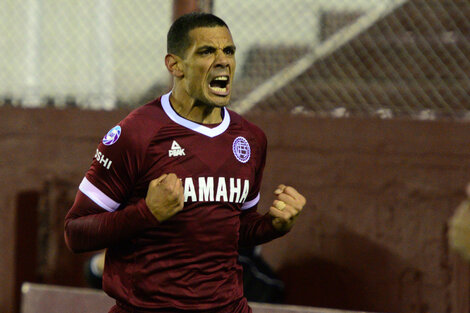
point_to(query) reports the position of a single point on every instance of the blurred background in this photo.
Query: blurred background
(362, 57)
(365, 103)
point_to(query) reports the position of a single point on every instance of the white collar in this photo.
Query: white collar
(210, 132)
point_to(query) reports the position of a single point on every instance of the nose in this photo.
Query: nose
(221, 59)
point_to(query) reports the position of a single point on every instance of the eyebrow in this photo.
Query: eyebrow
(214, 48)
(231, 47)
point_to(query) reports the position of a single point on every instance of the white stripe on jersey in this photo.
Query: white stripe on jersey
(251, 203)
(98, 196)
(210, 132)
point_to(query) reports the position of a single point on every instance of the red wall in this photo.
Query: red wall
(371, 238)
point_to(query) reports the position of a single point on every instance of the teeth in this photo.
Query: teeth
(219, 89)
(221, 78)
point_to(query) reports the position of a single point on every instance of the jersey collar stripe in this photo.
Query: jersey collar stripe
(97, 196)
(210, 132)
(251, 203)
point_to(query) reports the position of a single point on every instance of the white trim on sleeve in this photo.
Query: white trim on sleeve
(98, 196)
(251, 203)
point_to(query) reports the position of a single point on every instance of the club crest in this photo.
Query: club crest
(241, 149)
(112, 136)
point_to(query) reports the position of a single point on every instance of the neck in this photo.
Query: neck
(194, 110)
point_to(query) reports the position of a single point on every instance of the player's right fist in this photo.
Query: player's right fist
(165, 196)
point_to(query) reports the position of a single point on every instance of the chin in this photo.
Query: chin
(218, 101)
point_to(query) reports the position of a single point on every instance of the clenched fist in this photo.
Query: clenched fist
(286, 207)
(165, 196)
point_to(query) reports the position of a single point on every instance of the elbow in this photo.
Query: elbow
(72, 243)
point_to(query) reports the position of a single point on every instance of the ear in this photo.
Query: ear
(174, 65)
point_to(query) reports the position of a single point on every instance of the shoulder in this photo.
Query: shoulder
(143, 123)
(254, 130)
(146, 117)
(136, 130)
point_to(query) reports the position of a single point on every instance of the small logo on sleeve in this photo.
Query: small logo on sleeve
(241, 149)
(112, 136)
(175, 150)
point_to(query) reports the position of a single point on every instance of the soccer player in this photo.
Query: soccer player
(173, 189)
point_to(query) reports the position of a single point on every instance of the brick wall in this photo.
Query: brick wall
(379, 194)
(38, 146)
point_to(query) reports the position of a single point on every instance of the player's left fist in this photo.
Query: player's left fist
(286, 207)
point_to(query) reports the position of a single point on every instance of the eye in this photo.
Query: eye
(229, 51)
(206, 51)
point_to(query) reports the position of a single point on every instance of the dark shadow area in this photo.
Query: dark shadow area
(362, 276)
(41, 253)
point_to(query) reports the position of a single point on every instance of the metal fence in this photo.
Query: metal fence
(385, 58)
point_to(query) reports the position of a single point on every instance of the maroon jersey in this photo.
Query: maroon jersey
(189, 261)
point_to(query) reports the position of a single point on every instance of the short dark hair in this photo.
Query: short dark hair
(178, 35)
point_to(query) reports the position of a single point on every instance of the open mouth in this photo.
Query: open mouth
(220, 85)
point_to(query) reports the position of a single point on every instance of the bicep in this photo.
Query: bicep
(83, 206)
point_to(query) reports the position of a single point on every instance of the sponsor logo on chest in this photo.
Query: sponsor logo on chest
(219, 189)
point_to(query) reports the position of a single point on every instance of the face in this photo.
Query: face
(209, 65)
